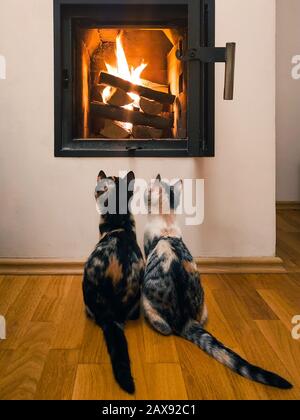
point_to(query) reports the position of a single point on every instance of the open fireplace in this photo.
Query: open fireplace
(136, 78)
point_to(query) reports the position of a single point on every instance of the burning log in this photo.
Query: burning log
(117, 82)
(142, 132)
(97, 94)
(150, 107)
(113, 130)
(155, 86)
(119, 97)
(133, 117)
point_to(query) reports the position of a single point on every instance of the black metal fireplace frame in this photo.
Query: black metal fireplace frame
(201, 86)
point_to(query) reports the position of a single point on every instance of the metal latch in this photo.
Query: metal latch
(215, 55)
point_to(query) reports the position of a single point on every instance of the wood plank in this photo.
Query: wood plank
(136, 346)
(70, 333)
(260, 353)
(287, 205)
(5, 356)
(285, 223)
(278, 282)
(284, 308)
(58, 377)
(249, 297)
(253, 343)
(20, 379)
(165, 381)
(158, 348)
(291, 242)
(10, 287)
(20, 313)
(232, 307)
(287, 349)
(52, 302)
(206, 379)
(29, 371)
(214, 282)
(96, 382)
(217, 324)
(93, 348)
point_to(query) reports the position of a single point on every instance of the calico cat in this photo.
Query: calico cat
(114, 272)
(172, 295)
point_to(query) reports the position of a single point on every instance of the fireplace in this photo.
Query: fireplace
(136, 78)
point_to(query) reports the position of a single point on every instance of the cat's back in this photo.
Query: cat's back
(167, 256)
(168, 247)
(116, 254)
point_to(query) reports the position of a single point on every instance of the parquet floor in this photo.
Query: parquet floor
(54, 352)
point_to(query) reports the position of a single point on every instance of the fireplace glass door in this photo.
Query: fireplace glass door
(128, 79)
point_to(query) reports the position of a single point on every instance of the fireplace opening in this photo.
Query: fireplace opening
(129, 83)
(136, 78)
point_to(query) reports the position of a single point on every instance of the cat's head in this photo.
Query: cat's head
(163, 197)
(113, 194)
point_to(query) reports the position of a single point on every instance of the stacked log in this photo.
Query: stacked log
(150, 121)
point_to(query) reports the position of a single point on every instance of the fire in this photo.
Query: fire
(122, 70)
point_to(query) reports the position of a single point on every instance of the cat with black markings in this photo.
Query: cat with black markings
(114, 272)
(172, 295)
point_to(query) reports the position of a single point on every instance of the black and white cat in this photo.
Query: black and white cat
(114, 272)
(172, 295)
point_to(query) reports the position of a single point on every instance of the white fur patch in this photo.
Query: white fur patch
(158, 226)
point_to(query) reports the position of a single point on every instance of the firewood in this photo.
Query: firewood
(150, 107)
(133, 117)
(119, 97)
(142, 132)
(110, 80)
(97, 93)
(113, 130)
(155, 86)
(97, 124)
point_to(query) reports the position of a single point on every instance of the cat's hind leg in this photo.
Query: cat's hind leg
(155, 319)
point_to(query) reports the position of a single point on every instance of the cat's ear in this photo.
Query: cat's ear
(176, 196)
(177, 187)
(101, 176)
(158, 178)
(130, 178)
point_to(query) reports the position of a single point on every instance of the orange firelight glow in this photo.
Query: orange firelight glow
(122, 70)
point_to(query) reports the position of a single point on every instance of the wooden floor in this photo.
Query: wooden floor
(54, 352)
(288, 238)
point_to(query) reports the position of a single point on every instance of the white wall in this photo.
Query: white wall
(47, 206)
(288, 101)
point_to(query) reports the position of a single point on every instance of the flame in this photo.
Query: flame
(122, 70)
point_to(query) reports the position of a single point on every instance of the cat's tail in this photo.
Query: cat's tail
(196, 334)
(118, 350)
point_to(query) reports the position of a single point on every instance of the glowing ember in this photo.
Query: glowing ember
(122, 70)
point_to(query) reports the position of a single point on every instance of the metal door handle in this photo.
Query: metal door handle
(215, 55)
(229, 71)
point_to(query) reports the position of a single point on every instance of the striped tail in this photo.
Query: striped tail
(196, 334)
(118, 350)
